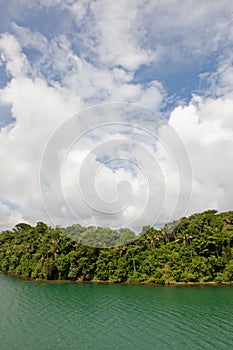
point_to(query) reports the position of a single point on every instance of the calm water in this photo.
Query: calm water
(39, 316)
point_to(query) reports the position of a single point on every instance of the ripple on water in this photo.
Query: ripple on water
(101, 316)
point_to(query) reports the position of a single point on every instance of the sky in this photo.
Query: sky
(115, 113)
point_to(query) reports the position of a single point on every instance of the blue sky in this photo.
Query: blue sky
(59, 57)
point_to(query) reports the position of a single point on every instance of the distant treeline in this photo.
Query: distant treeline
(194, 249)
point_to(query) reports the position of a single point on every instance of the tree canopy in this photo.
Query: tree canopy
(194, 249)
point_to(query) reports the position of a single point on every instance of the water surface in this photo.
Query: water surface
(39, 316)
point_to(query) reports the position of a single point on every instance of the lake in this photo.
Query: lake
(39, 316)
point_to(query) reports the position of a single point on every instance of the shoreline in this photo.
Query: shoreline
(146, 283)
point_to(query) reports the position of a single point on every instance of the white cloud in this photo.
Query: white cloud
(188, 29)
(111, 31)
(28, 38)
(61, 66)
(11, 55)
(206, 127)
(39, 109)
(220, 82)
(9, 218)
(136, 33)
(118, 34)
(45, 89)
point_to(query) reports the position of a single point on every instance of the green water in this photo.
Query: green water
(39, 316)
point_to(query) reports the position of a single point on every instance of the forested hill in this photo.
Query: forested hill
(194, 249)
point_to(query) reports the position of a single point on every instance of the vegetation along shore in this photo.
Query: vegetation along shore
(191, 251)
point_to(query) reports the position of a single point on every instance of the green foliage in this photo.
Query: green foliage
(194, 249)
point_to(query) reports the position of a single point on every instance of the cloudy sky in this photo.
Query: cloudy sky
(115, 113)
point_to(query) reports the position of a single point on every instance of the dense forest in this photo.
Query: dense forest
(194, 249)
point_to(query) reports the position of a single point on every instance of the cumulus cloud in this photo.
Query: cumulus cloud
(39, 106)
(51, 78)
(206, 127)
